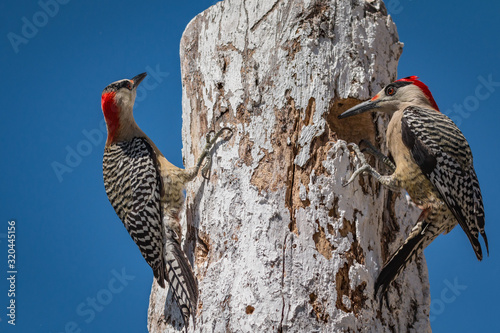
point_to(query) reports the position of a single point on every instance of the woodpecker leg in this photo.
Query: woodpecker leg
(205, 171)
(210, 141)
(370, 149)
(387, 181)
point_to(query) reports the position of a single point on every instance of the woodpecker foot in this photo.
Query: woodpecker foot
(211, 141)
(211, 138)
(205, 171)
(388, 181)
(365, 167)
(370, 149)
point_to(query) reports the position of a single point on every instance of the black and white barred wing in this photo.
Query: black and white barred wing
(133, 186)
(441, 151)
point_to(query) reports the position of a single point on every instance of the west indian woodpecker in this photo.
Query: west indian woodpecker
(146, 192)
(433, 163)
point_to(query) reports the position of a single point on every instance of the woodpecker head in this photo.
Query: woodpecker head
(117, 103)
(396, 96)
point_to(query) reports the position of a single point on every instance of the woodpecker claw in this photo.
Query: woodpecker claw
(209, 134)
(365, 167)
(205, 171)
(210, 138)
(211, 141)
(370, 149)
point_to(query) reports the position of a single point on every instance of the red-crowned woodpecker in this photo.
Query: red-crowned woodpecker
(433, 163)
(146, 192)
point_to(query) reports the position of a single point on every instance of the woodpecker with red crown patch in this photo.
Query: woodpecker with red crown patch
(146, 192)
(433, 163)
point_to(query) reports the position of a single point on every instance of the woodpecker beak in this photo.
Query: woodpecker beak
(138, 79)
(360, 108)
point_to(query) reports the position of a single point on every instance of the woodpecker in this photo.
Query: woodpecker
(433, 163)
(146, 192)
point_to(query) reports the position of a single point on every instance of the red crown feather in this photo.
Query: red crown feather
(414, 79)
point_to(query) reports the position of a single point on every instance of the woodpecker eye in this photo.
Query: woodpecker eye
(390, 91)
(124, 84)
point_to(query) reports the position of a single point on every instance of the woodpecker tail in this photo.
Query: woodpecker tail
(180, 277)
(422, 234)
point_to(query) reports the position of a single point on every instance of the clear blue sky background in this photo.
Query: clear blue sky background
(71, 245)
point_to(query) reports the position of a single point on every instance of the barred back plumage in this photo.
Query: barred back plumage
(441, 151)
(134, 189)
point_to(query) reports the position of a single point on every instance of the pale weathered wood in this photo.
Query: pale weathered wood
(279, 244)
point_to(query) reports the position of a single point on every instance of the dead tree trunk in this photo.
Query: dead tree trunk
(279, 244)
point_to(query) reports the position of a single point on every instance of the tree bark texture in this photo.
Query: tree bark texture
(276, 242)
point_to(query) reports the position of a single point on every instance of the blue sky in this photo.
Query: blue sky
(77, 266)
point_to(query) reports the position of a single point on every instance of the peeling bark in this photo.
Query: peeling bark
(277, 244)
